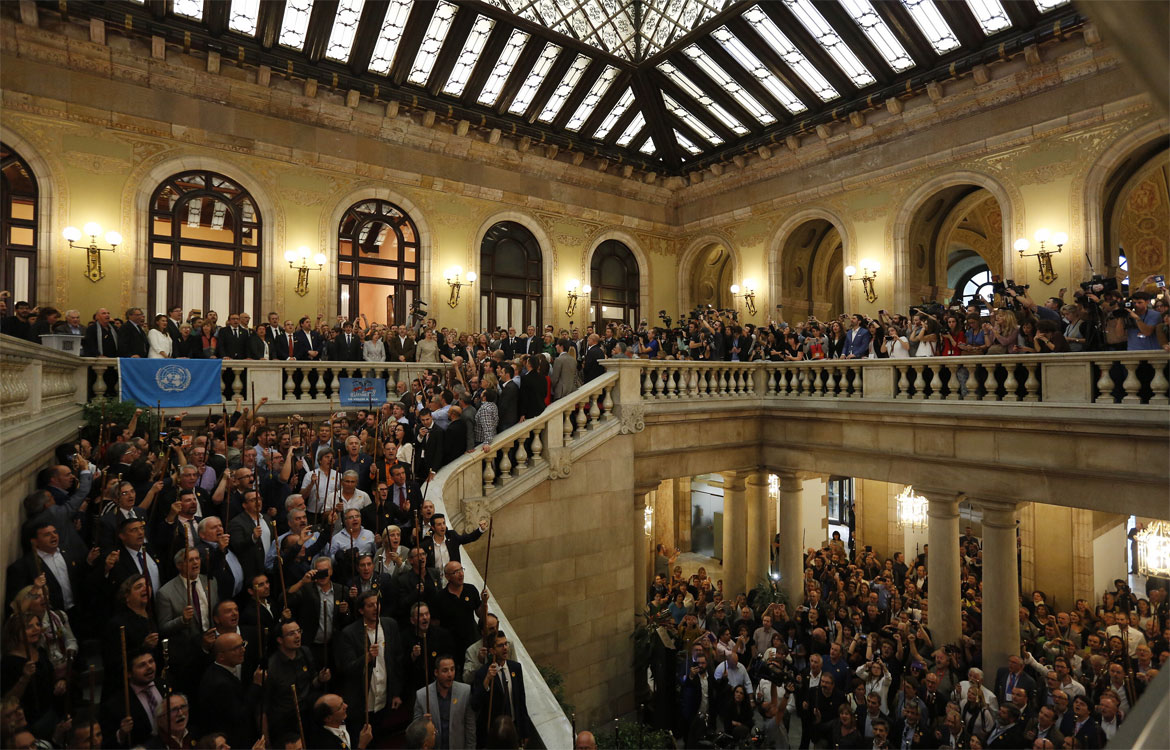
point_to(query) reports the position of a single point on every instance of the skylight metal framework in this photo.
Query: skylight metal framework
(243, 16)
(295, 24)
(345, 24)
(428, 51)
(845, 58)
(763, 25)
(701, 96)
(503, 67)
(875, 29)
(564, 88)
(614, 115)
(589, 103)
(469, 56)
(930, 22)
(729, 84)
(535, 78)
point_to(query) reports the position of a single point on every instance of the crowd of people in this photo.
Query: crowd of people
(855, 665)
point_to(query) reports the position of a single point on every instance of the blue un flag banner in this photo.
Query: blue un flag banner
(171, 382)
(362, 391)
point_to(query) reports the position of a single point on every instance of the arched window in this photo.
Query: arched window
(977, 284)
(377, 263)
(204, 246)
(613, 274)
(18, 226)
(510, 277)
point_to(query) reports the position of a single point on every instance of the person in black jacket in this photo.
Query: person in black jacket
(428, 448)
(508, 403)
(258, 343)
(593, 356)
(455, 436)
(232, 341)
(227, 702)
(18, 324)
(533, 388)
(101, 338)
(132, 335)
(347, 347)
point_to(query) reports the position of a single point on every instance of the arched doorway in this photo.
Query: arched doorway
(377, 263)
(711, 278)
(613, 274)
(955, 243)
(1136, 214)
(812, 271)
(511, 277)
(18, 226)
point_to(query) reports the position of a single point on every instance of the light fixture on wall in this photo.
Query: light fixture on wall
(911, 509)
(452, 276)
(648, 517)
(1043, 255)
(299, 259)
(749, 294)
(869, 271)
(1153, 549)
(93, 253)
(573, 296)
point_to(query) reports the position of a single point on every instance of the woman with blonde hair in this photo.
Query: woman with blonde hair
(1006, 332)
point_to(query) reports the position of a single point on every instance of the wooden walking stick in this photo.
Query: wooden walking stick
(426, 672)
(297, 709)
(125, 673)
(366, 671)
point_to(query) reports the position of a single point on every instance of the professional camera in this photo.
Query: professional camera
(664, 318)
(418, 309)
(1001, 287)
(1099, 285)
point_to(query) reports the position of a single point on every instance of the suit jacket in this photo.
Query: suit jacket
(455, 440)
(25, 570)
(306, 608)
(113, 710)
(1012, 737)
(89, 347)
(131, 341)
(280, 348)
(349, 650)
(453, 541)
(396, 348)
(323, 739)
(508, 405)
(513, 347)
(922, 737)
(593, 366)
(1089, 736)
(534, 346)
(248, 549)
(341, 352)
(231, 344)
(428, 452)
(499, 705)
(226, 704)
(857, 342)
(173, 330)
(462, 720)
(1024, 681)
(564, 372)
(533, 388)
(171, 600)
(305, 342)
(255, 347)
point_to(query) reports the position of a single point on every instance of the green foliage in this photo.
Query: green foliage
(118, 413)
(645, 636)
(767, 593)
(634, 735)
(556, 683)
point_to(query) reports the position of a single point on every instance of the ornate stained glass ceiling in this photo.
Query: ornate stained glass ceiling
(666, 84)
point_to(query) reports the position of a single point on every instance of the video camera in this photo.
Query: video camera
(418, 309)
(1099, 285)
(664, 318)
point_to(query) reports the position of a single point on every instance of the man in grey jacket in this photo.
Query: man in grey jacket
(450, 706)
(564, 370)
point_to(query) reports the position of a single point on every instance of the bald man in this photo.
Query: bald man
(226, 696)
(585, 741)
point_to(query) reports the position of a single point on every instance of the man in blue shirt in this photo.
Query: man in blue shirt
(1140, 331)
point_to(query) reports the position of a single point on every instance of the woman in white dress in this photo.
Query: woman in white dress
(896, 345)
(924, 333)
(159, 340)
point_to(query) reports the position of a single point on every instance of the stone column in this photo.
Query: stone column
(1001, 588)
(643, 554)
(734, 534)
(757, 530)
(942, 566)
(790, 517)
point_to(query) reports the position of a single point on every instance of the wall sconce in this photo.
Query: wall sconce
(1043, 256)
(869, 271)
(648, 518)
(299, 259)
(911, 509)
(749, 294)
(573, 296)
(1153, 549)
(93, 253)
(452, 276)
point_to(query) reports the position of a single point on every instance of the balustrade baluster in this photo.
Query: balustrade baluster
(1104, 382)
(607, 403)
(290, 387)
(594, 411)
(489, 474)
(836, 382)
(505, 467)
(771, 382)
(800, 378)
(99, 380)
(722, 382)
(1159, 384)
(1131, 384)
(749, 382)
(956, 382)
(521, 455)
(692, 376)
(537, 445)
(733, 382)
(237, 381)
(647, 385)
(580, 419)
(658, 384)
(818, 383)
(906, 382)
(858, 380)
(1010, 384)
(936, 393)
(1031, 384)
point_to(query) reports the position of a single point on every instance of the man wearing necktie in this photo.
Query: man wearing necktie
(232, 342)
(185, 602)
(498, 690)
(347, 347)
(145, 694)
(132, 335)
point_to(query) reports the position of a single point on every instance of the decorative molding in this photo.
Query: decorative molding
(632, 418)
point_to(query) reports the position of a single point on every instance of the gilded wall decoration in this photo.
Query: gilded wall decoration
(1143, 223)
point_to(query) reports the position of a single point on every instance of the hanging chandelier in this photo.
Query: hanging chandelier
(911, 509)
(1153, 549)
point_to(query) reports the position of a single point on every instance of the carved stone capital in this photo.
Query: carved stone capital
(633, 418)
(560, 464)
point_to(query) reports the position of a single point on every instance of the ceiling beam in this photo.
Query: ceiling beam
(215, 15)
(775, 64)
(858, 42)
(546, 88)
(963, 23)
(487, 61)
(713, 90)
(903, 27)
(705, 146)
(268, 24)
(1022, 13)
(749, 82)
(656, 124)
(622, 123)
(697, 110)
(579, 92)
(412, 36)
(452, 47)
(608, 101)
(158, 8)
(366, 38)
(320, 27)
(516, 78)
(812, 49)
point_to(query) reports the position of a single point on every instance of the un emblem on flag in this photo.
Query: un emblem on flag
(172, 378)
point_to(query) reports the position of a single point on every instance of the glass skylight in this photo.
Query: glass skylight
(503, 67)
(752, 64)
(991, 15)
(827, 37)
(930, 22)
(564, 88)
(469, 56)
(687, 146)
(632, 130)
(701, 97)
(189, 8)
(589, 103)
(648, 147)
(729, 84)
(243, 16)
(536, 77)
(878, 33)
(345, 24)
(385, 49)
(1046, 5)
(295, 23)
(428, 51)
(793, 57)
(615, 114)
(695, 123)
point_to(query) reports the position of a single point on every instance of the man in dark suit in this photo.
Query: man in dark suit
(132, 335)
(145, 691)
(911, 731)
(228, 696)
(1009, 730)
(312, 599)
(232, 342)
(274, 330)
(1085, 727)
(347, 347)
(63, 574)
(307, 341)
(1012, 676)
(251, 537)
(513, 345)
(286, 345)
(500, 682)
(533, 342)
(131, 557)
(533, 387)
(400, 347)
(509, 402)
(455, 436)
(330, 714)
(174, 320)
(449, 539)
(690, 698)
(593, 356)
(428, 448)
(379, 636)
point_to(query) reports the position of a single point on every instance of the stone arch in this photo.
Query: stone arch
(1093, 190)
(331, 220)
(781, 236)
(1010, 210)
(136, 208)
(547, 265)
(47, 194)
(628, 240)
(691, 256)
